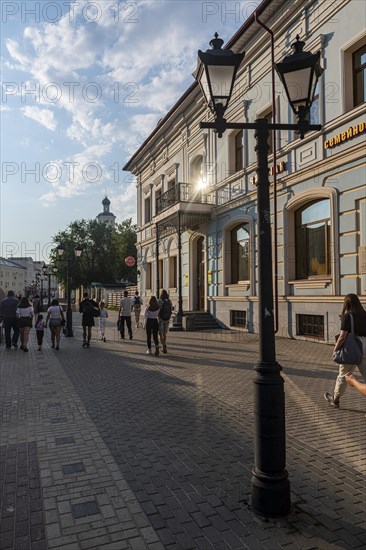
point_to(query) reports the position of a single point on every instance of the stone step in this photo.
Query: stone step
(199, 320)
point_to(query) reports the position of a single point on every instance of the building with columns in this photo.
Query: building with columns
(196, 193)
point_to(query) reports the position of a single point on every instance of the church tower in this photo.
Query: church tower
(106, 216)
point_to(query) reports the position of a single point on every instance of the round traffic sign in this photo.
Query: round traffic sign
(130, 261)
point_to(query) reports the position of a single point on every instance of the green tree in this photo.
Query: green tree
(126, 246)
(104, 249)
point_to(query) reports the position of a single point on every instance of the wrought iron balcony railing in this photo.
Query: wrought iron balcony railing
(182, 192)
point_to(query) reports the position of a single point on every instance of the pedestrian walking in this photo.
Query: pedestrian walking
(351, 308)
(55, 319)
(36, 303)
(8, 314)
(164, 317)
(24, 315)
(152, 324)
(137, 304)
(40, 326)
(89, 309)
(102, 320)
(124, 314)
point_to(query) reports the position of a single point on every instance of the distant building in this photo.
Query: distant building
(12, 277)
(33, 271)
(106, 216)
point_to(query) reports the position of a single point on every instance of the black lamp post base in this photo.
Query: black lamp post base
(177, 323)
(70, 333)
(270, 495)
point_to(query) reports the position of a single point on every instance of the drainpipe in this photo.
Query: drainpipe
(157, 259)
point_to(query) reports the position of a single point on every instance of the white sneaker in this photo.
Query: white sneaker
(149, 352)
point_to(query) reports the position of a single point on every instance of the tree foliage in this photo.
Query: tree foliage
(103, 257)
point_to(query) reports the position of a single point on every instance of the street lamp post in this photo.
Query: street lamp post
(60, 251)
(48, 273)
(39, 278)
(299, 72)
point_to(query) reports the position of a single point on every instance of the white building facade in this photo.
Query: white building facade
(196, 193)
(12, 277)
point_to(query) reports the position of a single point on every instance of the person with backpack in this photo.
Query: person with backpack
(89, 310)
(152, 324)
(137, 303)
(165, 313)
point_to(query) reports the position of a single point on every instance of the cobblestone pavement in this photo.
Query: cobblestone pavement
(110, 448)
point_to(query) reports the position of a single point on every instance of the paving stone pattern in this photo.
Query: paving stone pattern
(143, 452)
(21, 507)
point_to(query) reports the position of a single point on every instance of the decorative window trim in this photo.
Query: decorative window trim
(241, 285)
(311, 283)
(288, 222)
(227, 243)
(172, 169)
(346, 65)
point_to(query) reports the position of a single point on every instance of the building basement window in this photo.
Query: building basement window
(238, 318)
(310, 325)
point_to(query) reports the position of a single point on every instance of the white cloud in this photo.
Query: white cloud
(124, 204)
(43, 116)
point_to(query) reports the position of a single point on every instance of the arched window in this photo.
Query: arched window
(240, 236)
(312, 233)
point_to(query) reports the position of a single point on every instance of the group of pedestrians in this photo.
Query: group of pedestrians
(156, 318)
(17, 316)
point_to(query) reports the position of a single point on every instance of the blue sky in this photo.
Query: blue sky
(84, 83)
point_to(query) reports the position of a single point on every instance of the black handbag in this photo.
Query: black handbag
(351, 351)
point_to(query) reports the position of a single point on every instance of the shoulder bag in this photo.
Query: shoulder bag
(351, 351)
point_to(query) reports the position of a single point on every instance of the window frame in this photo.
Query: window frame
(355, 72)
(346, 61)
(293, 286)
(239, 151)
(234, 253)
(304, 245)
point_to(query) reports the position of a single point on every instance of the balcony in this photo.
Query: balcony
(194, 207)
(184, 197)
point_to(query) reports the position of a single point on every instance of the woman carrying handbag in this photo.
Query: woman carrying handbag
(24, 315)
(353, 321)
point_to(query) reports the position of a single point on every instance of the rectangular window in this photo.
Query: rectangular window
(239, 151)
(359, 76)
(173, 272)
(314, 109)
(148, 276)
(238, 318)
(310, 325)
(147, 209)
(158, 207)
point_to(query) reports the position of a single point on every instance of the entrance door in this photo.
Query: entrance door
(200, 275)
